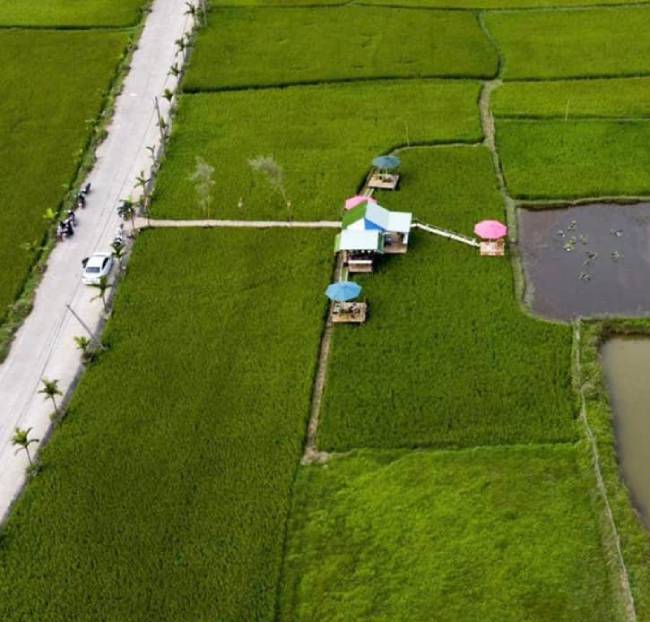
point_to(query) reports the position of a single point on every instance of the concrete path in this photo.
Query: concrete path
(144, 223)
(44, 346)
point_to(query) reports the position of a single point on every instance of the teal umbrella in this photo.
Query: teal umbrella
(387, 163)
(343, 291)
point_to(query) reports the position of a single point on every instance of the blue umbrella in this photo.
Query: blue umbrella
(343, 291)
(386, 162)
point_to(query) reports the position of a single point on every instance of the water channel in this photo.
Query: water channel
(626, 362)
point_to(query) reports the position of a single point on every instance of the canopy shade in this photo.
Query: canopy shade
(371, 216)
(343, 291)
(491, 230)
(349, 240)
(357, 200)
(388, 162)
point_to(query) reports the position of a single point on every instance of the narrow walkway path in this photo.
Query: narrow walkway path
(44, 346)
(144, 223)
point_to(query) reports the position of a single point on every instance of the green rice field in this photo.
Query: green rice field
(330, 44)
(569, 99)
(324, 137)
(44, 125)
(573, 44)
(164, 494)
(445, 475)
(75, 13)
(590, 158)
(448, 357)
(500, 535)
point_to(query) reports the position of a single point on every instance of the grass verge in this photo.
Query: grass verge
(634, 537)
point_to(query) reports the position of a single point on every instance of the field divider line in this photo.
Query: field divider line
(238, 88)
(148, 223)
(624, 579)
(523, 9)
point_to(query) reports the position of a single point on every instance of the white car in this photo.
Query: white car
(95, 267)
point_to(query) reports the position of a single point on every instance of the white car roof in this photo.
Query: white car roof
(96, 260)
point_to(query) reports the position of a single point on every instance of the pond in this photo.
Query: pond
(588, 261)
(626, 361)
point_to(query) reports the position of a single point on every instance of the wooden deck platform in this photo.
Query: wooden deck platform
(394, 245)
(383, 181)
(493, 248)
(348, 312)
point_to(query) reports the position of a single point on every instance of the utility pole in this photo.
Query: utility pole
(161, 121)
(85, 327)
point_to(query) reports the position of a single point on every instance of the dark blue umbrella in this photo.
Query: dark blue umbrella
(343, 291)
(387, 162)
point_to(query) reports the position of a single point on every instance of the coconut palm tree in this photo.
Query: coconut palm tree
(83, 343)
(126, 211)
(119, 250)
(102, 286)
(22, 441)
(50, 391)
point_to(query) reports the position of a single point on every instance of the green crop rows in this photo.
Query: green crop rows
(254, 48)
(500, 535)
(164, 494)
(323, 136)
(569, 99)
(173, 490)
(590, 158)
(77, 13)
(573, 44)
(44, 124)
(440, 309)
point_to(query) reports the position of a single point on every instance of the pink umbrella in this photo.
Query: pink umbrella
(357, 200)
(491, 230)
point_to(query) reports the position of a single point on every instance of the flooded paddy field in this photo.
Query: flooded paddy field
(626, 362)
(588, 261)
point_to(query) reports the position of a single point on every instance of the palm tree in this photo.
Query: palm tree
(50, 391)
(22, 440)
(126, 211)
(118, 251)
(83, 343)
(102, 286)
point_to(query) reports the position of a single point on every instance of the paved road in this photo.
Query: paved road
(44, 346)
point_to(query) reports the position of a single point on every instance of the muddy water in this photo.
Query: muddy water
(588, 261)
(626, 362)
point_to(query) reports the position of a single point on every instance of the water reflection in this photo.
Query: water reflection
(589, 261)
(626, 362)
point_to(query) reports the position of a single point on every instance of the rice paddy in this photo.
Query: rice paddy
(173, 489)
(334, 44)
(323, 137)
(436, 536)
(165, 492)
(573, 44)
(578, 158)
(76, 13)
(45, 120)
(397, 381)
